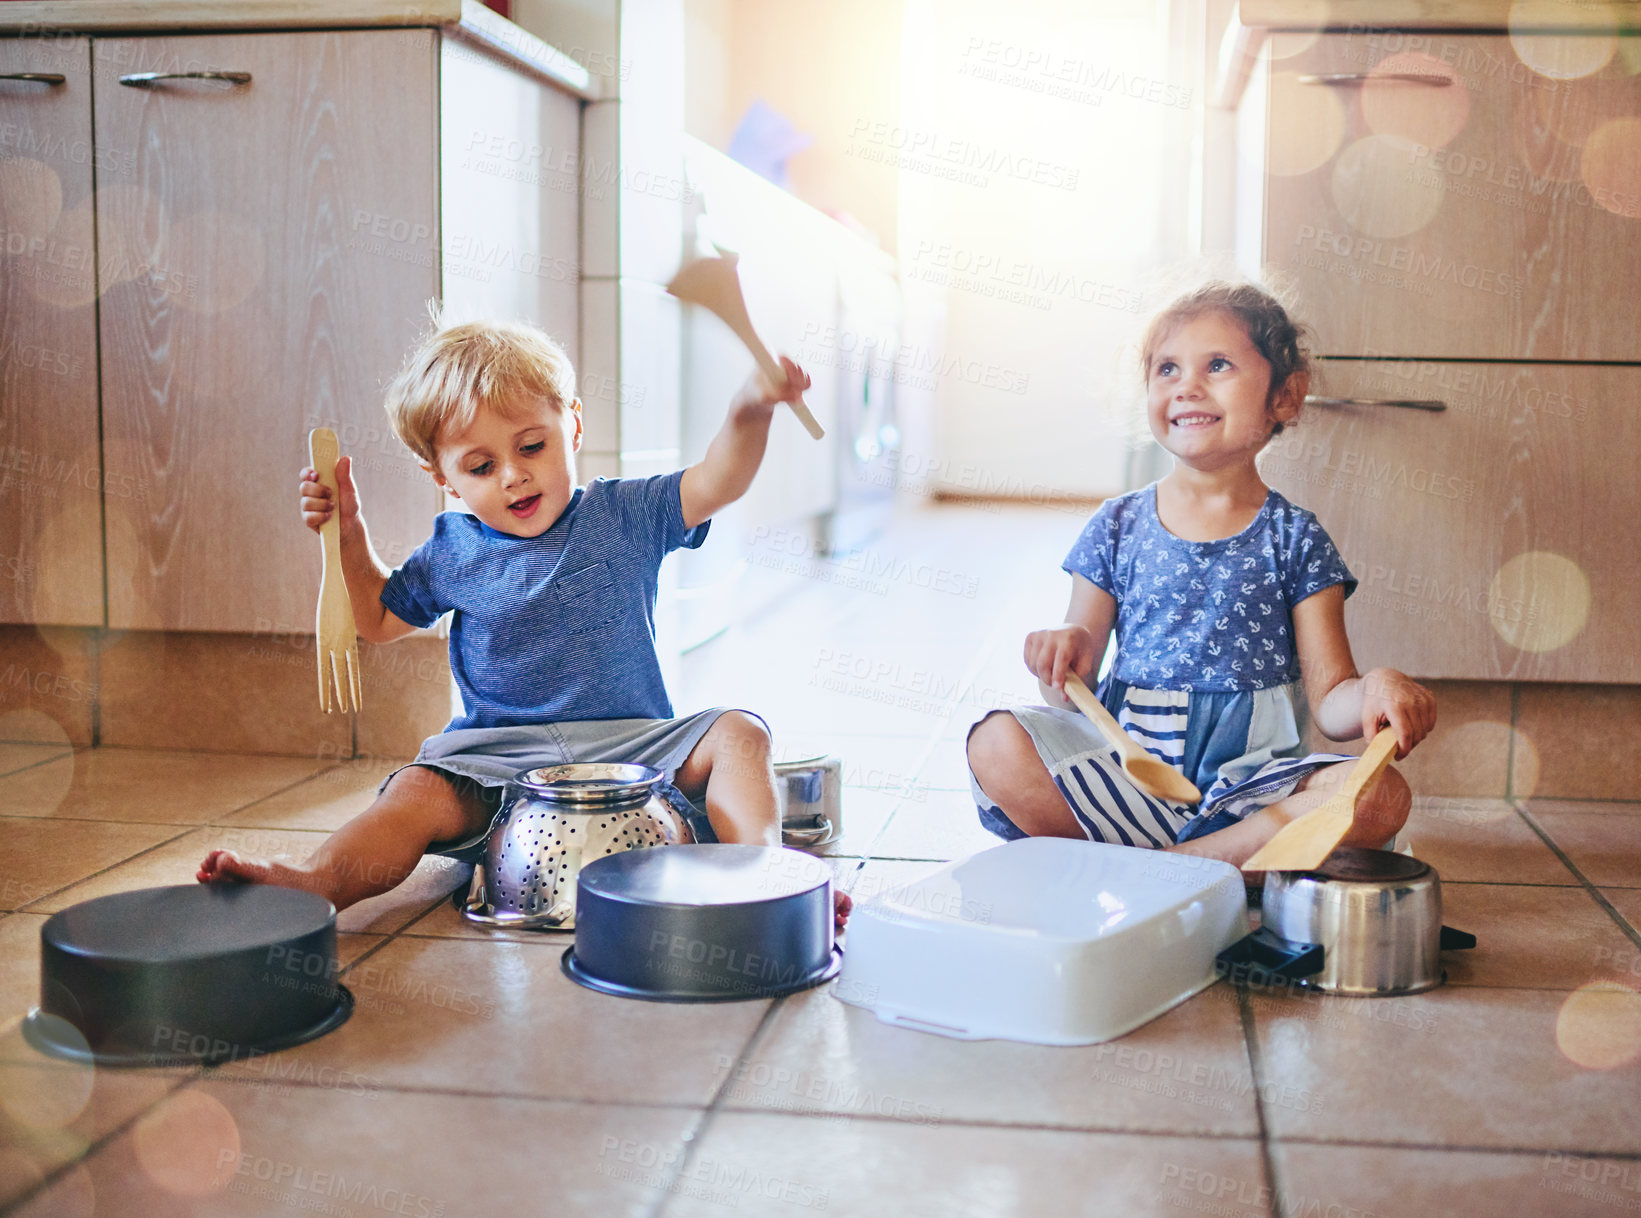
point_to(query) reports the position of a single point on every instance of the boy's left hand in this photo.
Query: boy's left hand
(1391, 698)
(758, 398)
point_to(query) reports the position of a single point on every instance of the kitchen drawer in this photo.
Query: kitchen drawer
(1497, 216)
(51, 476)
(1496, 539)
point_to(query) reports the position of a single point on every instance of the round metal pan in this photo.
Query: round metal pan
(197, 973)
(703, 923)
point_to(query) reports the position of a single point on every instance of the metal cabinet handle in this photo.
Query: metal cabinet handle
(44, 78)
(138, 80)
(1404, 403)
(1356, 78)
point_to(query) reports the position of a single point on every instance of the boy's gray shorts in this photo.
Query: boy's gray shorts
(489, 757)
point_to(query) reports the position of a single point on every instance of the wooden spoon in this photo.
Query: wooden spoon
(1304, 844)
(714, 284)
(1150, 775)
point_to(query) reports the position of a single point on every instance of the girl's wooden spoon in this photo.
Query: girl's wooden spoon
(1304, 844)
(1150, 775)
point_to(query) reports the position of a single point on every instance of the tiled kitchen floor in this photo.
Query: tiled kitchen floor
(475, 1079)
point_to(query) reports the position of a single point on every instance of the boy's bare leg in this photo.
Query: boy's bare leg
(730, 768)
(375, 850)
(1009, 770)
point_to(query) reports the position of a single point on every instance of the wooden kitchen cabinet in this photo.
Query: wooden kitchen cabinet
(266, 254)
(1432, 195)
(51, 473)
(1495, 539)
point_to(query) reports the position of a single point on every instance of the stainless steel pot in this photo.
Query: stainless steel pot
(1366, 923)
(555, 820)
(809, 796)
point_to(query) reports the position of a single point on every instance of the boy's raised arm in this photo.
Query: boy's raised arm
(364, 573)
(722, 476)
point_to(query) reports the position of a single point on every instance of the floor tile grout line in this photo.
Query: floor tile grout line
(982, 656)
(186, 830)
(33, 765)
(1250, 1045)
(392, 936)
(93, 1148)
(699, 1131)
(1626, 1156)
(1630, 932)
(46, 896)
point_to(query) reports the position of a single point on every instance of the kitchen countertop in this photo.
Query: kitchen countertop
(464, 19)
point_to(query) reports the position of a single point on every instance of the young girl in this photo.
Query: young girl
(1221, 592)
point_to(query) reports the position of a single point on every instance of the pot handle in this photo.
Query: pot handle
(1257, 958)
(1456, 940)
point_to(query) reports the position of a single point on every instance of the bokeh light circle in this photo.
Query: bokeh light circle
(1599, 1026)
(1559, 55)
(1428, 114)
(189, 1144)
(1378, 189)
(1307, 125)
(47, 1096)
(1611, 166)
(31, 199)
(1540, 601)
(71, 1195)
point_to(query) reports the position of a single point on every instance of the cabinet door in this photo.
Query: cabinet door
(1496, 214)
(51, 479)
(266, 254)
(1494, 540)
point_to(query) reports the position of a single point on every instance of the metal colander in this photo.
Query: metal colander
(556, 820)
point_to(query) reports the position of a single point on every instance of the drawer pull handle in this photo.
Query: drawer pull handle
(1404, 403)
(141, 80)
(44, 78)
(1357, 78)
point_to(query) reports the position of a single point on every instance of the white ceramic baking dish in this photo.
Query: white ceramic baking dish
(1043, 940)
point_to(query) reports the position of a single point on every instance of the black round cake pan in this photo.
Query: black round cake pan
(198, 973)
(703, 923)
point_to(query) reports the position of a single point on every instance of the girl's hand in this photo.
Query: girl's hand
(1393, 699)
(1051, 654)
(316, 497)
(758, 398)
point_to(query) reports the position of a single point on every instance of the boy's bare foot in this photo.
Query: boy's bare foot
(228, 867)
(842, 904)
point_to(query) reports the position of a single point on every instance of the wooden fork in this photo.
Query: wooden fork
(338, 639)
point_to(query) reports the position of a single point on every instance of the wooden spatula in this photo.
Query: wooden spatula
(714, 284)
(1304, 844)
(1150, 775)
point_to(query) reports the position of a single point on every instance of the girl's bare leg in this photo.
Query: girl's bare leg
(730, 770)
(1380, 813)
(375, 850)
(1006, 763)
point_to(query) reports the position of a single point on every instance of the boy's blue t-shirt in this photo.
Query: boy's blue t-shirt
(557, 627)
(1206, 615)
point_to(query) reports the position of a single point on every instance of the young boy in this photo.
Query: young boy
(552, 593)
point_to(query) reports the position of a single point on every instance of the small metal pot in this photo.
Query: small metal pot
(556, 820)
(809, 796)
(1366, 923)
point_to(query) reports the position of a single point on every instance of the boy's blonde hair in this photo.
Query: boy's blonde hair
(478, 365)
(1274, 334)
